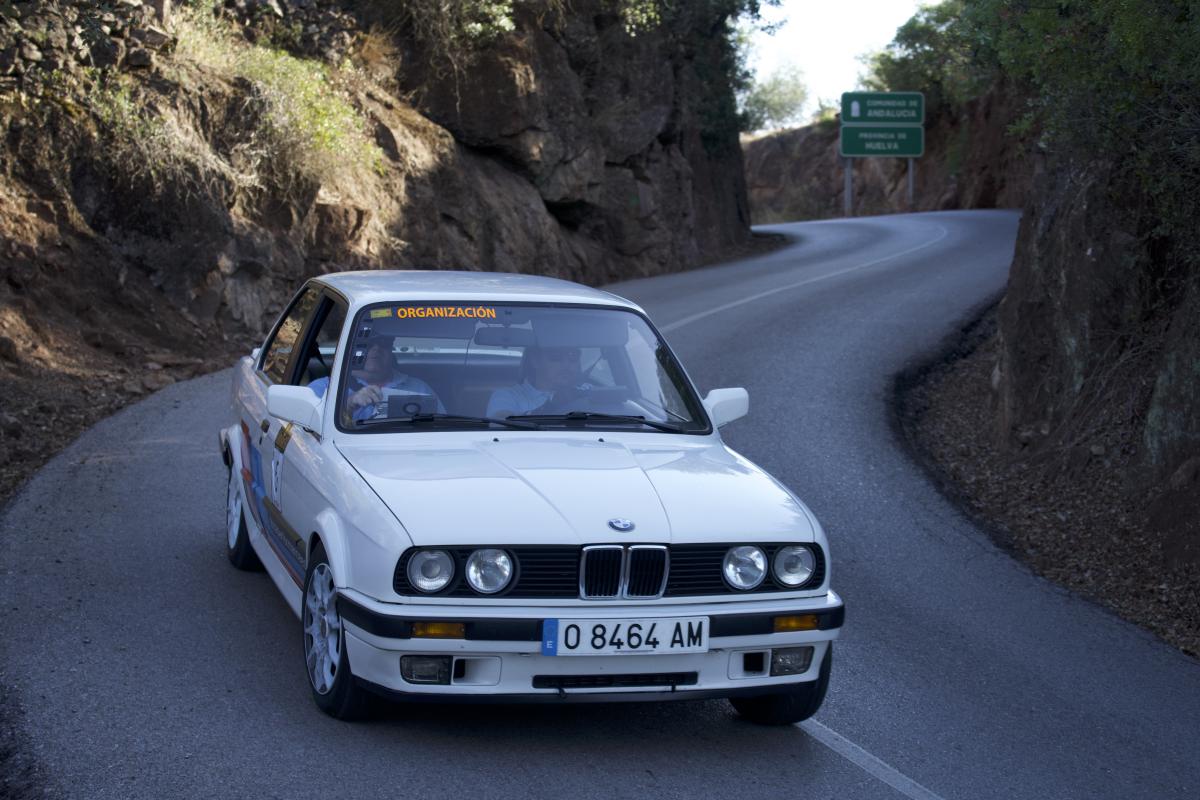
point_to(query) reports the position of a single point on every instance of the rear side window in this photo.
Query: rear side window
(279, 349)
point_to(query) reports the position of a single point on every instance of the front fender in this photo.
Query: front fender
(359, 560)
(332, 533)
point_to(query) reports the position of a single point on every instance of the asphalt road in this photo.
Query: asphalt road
(150, 668)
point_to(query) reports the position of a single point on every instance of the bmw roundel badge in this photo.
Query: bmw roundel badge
(621, 525)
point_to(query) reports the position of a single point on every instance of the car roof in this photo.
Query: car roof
(395, 285)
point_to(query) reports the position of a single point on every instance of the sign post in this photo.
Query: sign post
(910, 182)
(848, 189)
(881, 124)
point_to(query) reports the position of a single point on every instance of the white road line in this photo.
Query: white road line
(867, 762)
(835, 741)
(679, 323)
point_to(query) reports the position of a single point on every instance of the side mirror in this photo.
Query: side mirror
(295, 404)
(726, 405)
(255, 353)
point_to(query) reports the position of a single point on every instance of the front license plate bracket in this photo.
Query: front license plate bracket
(618, 637)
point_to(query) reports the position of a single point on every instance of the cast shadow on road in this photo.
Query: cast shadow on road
(689, 722)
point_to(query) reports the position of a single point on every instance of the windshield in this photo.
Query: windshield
(430, 365)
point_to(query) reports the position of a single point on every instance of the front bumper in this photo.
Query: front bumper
(502, 659)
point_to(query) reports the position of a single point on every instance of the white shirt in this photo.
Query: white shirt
(520, 399)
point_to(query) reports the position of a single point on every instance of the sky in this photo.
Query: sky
(825, 37)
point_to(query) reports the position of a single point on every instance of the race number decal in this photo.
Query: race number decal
(276, 475)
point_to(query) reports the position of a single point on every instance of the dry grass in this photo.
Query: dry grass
(376, 53)
(154, 150)
(307, 127)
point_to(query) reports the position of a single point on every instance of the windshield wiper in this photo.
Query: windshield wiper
(529, 426)
(585, 416)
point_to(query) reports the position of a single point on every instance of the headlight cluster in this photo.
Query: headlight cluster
(745, 566)
(487, 571)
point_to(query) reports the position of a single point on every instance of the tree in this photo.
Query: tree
(775, 102)
(934, 52)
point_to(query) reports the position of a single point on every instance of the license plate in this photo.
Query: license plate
(622, 637)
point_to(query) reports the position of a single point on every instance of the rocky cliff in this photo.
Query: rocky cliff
(970, 161)
(569, 148)
(171, 172)
(1099, 347)
(610, 130)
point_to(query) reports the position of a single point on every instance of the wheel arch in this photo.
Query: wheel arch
(228, 440)
(330, 534)
(223, 444)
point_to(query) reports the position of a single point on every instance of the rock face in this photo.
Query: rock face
(969, 162)
(1100, 343)
(569, 148)
(606, 128)
(52, 35)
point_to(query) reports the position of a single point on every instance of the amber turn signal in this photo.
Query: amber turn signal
(800, 622)
(439, 630)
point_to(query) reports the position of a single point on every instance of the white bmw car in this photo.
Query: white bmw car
(474, 486)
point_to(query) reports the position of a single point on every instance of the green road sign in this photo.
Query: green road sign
(895, 108)
(903, 141)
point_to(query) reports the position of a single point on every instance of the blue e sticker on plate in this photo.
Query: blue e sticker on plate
(549, 637)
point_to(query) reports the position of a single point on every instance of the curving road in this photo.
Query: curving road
(149, 668)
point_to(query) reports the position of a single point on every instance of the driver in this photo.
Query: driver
(551, 377)
(365, 387)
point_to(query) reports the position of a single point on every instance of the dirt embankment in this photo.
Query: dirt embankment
(168, 177)
(970, 161)
(1098, 349)
(1069, 421)
(1069, 514)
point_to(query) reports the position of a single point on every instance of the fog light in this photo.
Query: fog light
(790, 660)
(425, 669)
(438, 630)
(799, 622)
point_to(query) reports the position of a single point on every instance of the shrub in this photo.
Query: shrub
(934, 52)
(307, 127)
(776, 101)
(150, 150)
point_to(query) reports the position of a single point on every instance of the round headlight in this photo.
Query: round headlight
(794, 565)
(489, 571)
(430, 570)
(745, 566)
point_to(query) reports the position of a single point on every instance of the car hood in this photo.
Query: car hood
(540, 489)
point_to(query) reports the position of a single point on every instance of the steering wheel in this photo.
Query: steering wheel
(563, 401)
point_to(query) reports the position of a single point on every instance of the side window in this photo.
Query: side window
(279, 349)
(322, 346)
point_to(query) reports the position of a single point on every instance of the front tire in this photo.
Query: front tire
(796, 704)
(237, 537)
(334, 689)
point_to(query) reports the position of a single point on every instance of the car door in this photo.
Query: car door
(304, 474)
(265, 435)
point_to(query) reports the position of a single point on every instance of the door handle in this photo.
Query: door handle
(265, 425)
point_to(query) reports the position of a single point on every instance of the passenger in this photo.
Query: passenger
(551, 378)
(365, 395)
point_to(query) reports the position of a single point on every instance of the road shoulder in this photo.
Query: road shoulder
(1069, 516)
